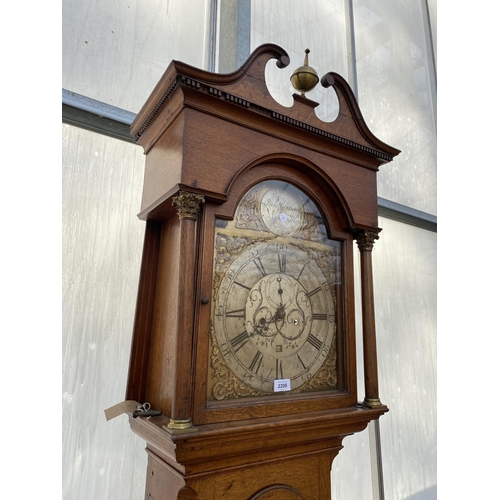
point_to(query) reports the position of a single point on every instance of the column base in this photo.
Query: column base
(177, 426)
(373, 403)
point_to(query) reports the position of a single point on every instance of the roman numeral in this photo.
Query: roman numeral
(260, 267)
(282, 262)
(257, 360)
(242, 285)
(279, 369)
(239, 341)
(301, 271)
(237, 313)
(314, 341)
(321, 317)
(302, 363)
(316, 290)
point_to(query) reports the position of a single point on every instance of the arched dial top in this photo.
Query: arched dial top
(276, 287)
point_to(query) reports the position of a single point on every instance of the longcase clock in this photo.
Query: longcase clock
(244, 332)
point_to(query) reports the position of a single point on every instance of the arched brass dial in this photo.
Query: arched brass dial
(274, 306)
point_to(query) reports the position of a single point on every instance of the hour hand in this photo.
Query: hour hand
(280, 291)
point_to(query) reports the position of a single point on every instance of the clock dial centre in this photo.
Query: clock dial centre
(278, 313)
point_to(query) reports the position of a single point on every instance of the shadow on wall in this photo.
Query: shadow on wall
(427, 494)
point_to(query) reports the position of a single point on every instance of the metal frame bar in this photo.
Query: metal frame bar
(212, 46)
(96, 116)
(376, 460)
(407, 215)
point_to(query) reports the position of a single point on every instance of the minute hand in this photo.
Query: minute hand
(280, 314)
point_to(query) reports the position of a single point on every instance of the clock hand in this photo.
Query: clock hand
(280, 314)
(280, 291)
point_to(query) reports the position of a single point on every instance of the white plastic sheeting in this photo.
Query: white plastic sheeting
(102, 245)
(396, 93)
(116, 51)
(405, 288)
(383, 49)
(295, 25)
(405, 273)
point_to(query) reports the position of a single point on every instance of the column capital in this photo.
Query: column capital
(188, 204)
(365, 239)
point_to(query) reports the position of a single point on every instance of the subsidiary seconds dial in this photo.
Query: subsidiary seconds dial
(274, 316)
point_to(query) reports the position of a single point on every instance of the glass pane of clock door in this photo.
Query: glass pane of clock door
(277, 288)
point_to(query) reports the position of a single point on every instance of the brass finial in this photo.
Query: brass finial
(304, 78)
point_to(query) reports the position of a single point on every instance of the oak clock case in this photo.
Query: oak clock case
(277, 310)
(244, 333)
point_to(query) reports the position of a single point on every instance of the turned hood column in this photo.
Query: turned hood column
(366, 240)
(187, 206)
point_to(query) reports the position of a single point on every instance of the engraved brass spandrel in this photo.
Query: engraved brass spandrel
(326, 376)
(327, 258)
(226, 385)
(310, 229)
(227, 248)
(248, 214)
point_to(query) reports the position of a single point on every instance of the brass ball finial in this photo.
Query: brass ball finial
(304, 78)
